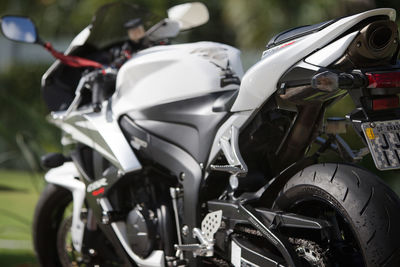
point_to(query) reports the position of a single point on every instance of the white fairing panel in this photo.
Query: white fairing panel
(101, 132)
(64, 176)
(260, 81)
(331, 52)
(165, 74)
(79, 40)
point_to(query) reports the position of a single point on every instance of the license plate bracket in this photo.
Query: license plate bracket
(383, 138)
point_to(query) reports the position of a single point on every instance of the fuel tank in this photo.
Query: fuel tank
(171, 73)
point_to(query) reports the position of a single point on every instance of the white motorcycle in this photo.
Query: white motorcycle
(177, 158)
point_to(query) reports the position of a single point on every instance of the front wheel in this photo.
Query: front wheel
(48, 218)
(363, 211)
(52, 234)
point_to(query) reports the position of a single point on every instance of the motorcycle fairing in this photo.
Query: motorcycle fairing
(237, 120)
(260, 81)
(101, 132)
(58, 92)
(190, 124)
(297, 32)
(177, 161)
(65, 176)
(79, 40)
(331, 52)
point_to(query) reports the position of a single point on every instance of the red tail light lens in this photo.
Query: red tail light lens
(385, 103)
(383, 80)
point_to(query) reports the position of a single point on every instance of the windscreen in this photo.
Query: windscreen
(109, 20)
(107, 29)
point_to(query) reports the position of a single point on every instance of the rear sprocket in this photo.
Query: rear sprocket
(310, 252)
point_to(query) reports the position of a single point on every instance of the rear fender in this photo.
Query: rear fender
(271, 190)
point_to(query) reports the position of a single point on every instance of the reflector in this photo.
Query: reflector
(383, 80)
(385, 103)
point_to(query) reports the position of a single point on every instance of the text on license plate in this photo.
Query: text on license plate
(383, 140)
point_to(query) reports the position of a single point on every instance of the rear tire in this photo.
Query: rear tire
(367, 206)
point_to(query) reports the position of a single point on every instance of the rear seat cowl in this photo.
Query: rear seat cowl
(297, 32)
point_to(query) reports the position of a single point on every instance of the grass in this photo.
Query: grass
(17, 258)
(18, 197)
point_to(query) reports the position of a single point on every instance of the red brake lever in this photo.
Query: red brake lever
(73, 61)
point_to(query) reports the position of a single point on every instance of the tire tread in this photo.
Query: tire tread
(44, 224)
(370, 205)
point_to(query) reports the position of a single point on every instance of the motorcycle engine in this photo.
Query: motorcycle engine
(141, 230)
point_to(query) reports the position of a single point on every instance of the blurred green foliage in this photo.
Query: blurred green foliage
(22, 113)
(256, 21)
(247, 24)
(244, 24)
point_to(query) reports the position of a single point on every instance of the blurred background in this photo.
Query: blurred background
(25, 134)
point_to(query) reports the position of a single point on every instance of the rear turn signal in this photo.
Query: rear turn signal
(385, 103)
(383, 80)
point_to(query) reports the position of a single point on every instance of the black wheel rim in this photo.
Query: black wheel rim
(343, 249)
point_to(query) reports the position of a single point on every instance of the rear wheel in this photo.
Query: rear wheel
(364, 213)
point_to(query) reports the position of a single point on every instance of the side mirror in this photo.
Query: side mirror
(20, 29)
(164, 29)
(189, 15)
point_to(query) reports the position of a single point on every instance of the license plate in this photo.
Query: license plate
(383, 138)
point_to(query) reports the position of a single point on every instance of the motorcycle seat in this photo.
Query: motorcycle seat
(297, 32)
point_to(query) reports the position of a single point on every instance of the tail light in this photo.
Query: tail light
(384, 80)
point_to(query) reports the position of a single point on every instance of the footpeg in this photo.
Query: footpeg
(209, 226)
(226, 168)
(204, 249)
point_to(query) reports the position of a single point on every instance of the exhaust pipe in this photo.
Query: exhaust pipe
(376, 44)
(379, 37)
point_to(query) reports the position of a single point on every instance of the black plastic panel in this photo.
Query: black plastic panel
(298, 75)
(297, 32)
(177, 162)
(189, 124)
